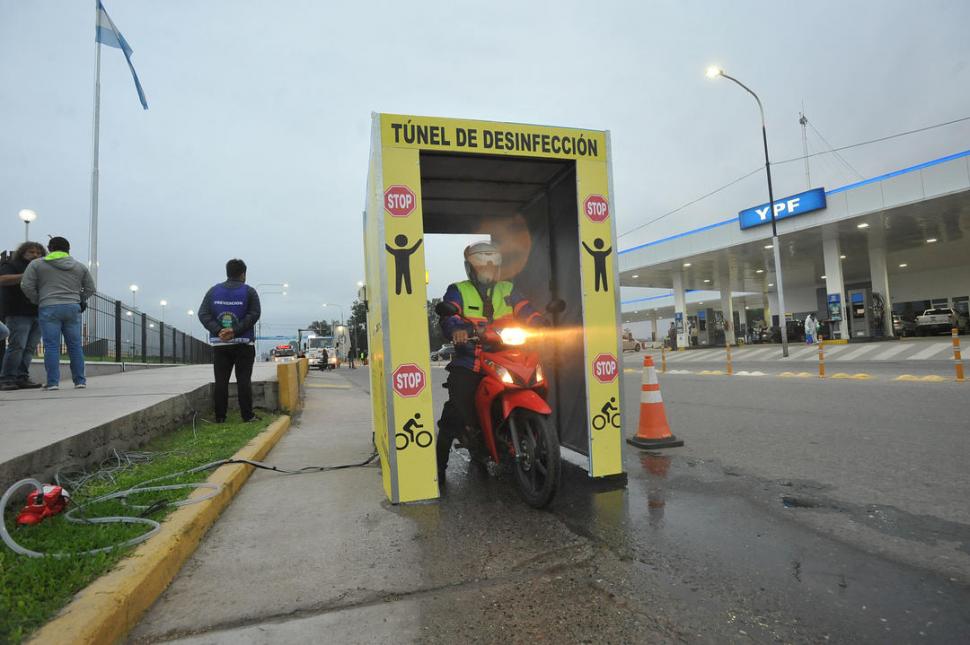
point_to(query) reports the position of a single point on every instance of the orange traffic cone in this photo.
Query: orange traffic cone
(654, 431)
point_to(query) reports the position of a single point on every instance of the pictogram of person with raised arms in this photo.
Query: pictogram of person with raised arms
(402, 262)
(599, 262)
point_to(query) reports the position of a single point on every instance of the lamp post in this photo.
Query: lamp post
(27, 216)
(134, 290)
(192, 331)
(132, 316)
(342, 319)
(259, 324)
(163, 303)
(714, 72)
(340, 307)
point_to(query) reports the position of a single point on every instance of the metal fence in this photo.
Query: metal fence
(113, 331)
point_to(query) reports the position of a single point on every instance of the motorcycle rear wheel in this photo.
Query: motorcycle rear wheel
(537, 472)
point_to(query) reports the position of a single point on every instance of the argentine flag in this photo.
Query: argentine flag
(107, 34)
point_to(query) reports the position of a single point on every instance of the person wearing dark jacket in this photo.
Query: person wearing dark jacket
(21, 319)
(229, 312)
(59, 285)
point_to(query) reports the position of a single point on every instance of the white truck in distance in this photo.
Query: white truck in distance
(313, 346)
(934, 321)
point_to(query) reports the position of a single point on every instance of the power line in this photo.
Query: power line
(880, 139)
(792, 160)
(693, 201)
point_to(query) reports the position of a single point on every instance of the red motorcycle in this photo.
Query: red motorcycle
(512, 411)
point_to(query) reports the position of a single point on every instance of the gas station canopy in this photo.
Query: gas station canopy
(915, 219)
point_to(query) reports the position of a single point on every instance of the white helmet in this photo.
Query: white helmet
(483, 262)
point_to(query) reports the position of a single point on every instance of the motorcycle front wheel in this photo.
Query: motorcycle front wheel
(537, 471)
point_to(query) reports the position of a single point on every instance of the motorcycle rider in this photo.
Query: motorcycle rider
(481, 299)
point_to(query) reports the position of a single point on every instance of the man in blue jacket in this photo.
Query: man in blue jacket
(229, 311)
(481, 299)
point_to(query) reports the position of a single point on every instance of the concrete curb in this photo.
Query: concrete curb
(107, 609)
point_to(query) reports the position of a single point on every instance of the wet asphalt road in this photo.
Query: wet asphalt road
(797, 512)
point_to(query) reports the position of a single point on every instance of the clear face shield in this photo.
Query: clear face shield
(487, 266)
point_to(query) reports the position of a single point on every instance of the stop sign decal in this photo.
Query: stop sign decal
(596, 208)
(399, 201)
(605, 368)
(408, 380)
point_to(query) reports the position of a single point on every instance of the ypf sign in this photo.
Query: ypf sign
(596, 207)
(399, 201)
(408, 380)
(605, 368)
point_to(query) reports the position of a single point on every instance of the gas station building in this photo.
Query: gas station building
(899, 239)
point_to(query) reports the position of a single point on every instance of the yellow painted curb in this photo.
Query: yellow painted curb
(795, 374)
(930, 378)
(107, 609)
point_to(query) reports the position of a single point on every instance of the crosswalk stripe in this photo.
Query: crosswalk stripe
(929, 351)
(803, 353)
(833, 349)
(677, 356)
(700, 355)
(749, 354)
(892, 351)
(865, 349)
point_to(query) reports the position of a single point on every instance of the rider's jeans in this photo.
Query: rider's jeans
(459, 410)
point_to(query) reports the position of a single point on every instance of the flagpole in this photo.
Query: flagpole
(93, 232)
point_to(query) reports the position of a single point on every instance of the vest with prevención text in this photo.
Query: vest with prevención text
(229, 306)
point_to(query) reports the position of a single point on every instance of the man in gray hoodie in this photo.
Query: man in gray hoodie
(58, 284)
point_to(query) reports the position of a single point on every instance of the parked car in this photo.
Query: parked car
(630, 344)
(444, 353)
(903, 327)
(934, 321)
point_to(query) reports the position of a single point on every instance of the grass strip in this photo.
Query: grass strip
(32, 590)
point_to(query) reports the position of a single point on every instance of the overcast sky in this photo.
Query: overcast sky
(256, 141)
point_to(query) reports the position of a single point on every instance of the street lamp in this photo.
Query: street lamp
(134, 291)
(340, 307)
(713, 72)
(259, 324)
(132, 316)
(27, 216)
(163, 303)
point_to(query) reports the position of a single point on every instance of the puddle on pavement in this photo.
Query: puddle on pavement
(719, 536)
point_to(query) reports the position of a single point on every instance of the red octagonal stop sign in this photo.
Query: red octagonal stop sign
(408, 380)
(399, 200)
(605, 368)
(596, 208)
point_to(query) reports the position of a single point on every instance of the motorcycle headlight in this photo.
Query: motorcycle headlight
(539, 376)
(513, 336)
(503, 374)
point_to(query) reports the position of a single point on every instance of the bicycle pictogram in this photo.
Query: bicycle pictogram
(609, 414)
(407, 435)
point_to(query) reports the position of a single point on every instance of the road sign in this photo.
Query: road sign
(408, 380)
(596, 208)
(399, 201)
(605, 368)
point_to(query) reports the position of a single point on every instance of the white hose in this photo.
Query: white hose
(115, 519)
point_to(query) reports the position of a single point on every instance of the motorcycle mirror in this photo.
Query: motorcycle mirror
(556, 306)
(445, 309)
